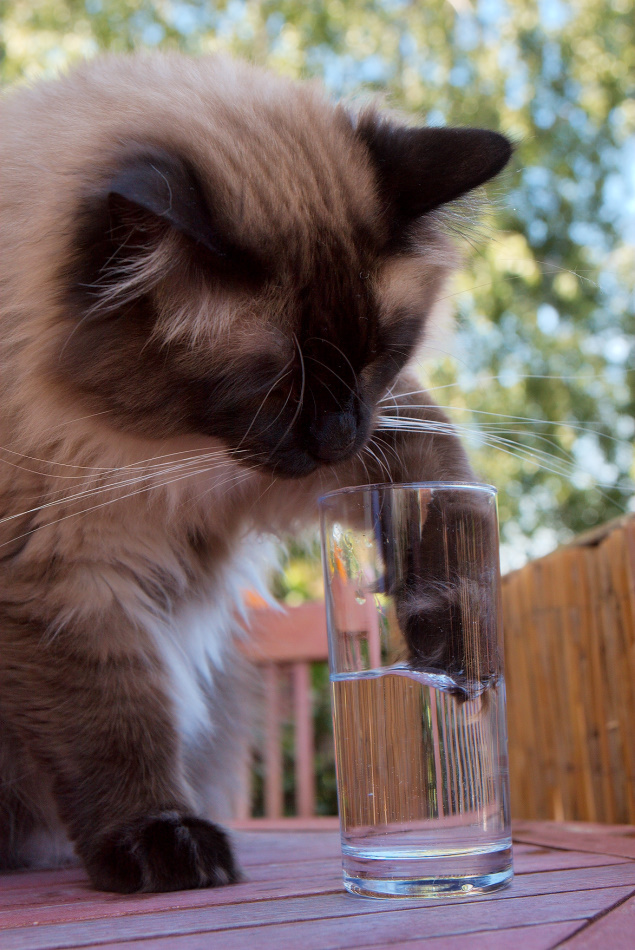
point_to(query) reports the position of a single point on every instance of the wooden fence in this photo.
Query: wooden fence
(569, 621)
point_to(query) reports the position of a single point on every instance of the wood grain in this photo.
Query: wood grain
(615, 931)
(594, 888)
(326, 929)
(539, 937)
(296, 635)
(569, 625)
(294, 898)
(602, 839)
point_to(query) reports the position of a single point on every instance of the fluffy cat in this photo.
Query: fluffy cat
(210, 277)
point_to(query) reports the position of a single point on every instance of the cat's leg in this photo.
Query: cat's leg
(443, 592)
(413, 439)
(99, 726)
(31, 834)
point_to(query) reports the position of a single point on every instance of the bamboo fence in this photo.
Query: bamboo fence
(569, 622)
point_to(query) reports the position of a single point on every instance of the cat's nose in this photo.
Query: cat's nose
(333, 434)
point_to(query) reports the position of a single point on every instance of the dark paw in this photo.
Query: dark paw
(163, 852)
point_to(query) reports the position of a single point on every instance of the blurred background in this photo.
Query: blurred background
(539, 377)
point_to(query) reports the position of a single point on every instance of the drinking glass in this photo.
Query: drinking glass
(412, 585)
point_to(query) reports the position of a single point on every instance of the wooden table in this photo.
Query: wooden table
(574, 887)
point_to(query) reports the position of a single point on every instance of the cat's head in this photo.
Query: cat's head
(254, 263)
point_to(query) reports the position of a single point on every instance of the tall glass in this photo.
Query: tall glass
(412, 592)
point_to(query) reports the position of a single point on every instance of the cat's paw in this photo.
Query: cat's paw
(163, 852)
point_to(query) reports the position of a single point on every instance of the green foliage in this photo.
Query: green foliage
(546, 306)
(300, 578)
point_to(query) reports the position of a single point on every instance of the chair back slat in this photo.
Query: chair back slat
(284, 644)
(273, 743)
(304, 745)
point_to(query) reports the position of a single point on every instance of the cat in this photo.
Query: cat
(211, 276)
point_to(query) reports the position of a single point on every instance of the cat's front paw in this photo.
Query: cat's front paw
(163, 852)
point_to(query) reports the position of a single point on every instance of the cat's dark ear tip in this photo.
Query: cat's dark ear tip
(484, 148)
(501, 148)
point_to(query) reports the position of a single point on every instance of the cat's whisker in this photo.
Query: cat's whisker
(373, 441)
(389, 448)
(235, 478)
(359, 455)
(339, 350)
(382, 467)
(262, 494)
(328, 389)
(96, 468)
(201, 456)
(116, 486)
(300, 398)
(284, 406)
(111, 501)
(490, 379)
(90, 415)
(484, 430)
(587, 428)
(561, 270)
(389, 395)
(549, 267)
(303, 380)
(546, 461)
(238, 475)
(331, 370)
(117, 479)
(276, 381)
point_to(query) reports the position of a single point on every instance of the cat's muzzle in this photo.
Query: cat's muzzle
(333, 436)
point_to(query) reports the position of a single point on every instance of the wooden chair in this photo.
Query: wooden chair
(286, 642)
(284, 645)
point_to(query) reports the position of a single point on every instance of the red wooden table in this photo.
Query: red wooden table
(574, 887)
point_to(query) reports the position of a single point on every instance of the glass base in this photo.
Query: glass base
(428, 887)
(443, 874)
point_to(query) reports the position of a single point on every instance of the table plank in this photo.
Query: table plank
(546, 859)
(585, 888)
(267, 847)
(614, 931)
(326, 932)
(44, 877)
(289, 887)
(294, 894)
(85, 904)
(618, 840)
(537, 937)
(284, 878)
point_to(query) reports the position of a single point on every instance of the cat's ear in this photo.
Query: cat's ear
(420, 169)
(164, 187)
(119, 251)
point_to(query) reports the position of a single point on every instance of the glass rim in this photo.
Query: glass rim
(406, 486)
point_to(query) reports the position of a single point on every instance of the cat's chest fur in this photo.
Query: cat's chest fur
(200, 642)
